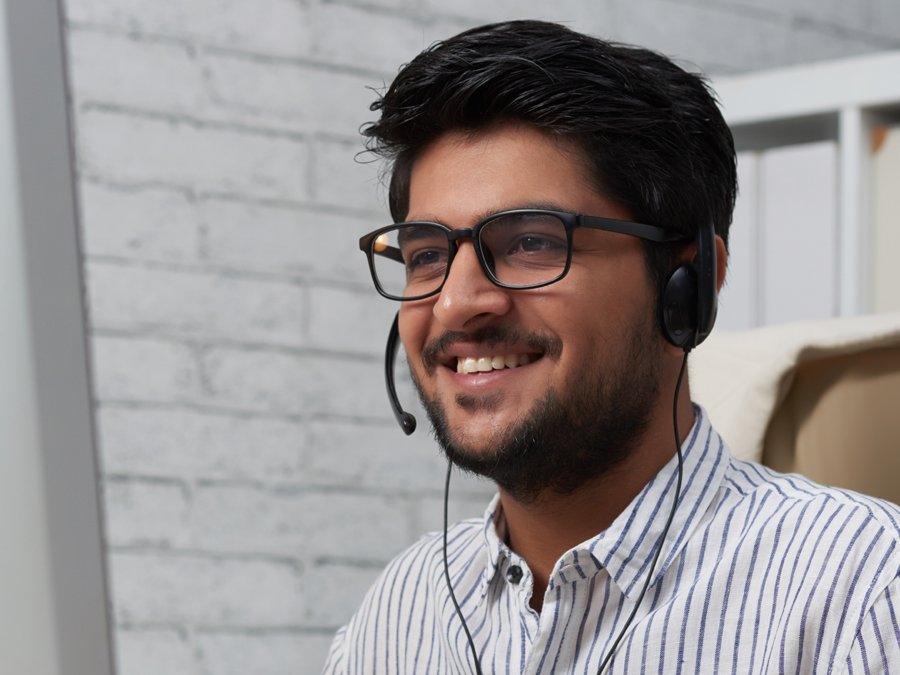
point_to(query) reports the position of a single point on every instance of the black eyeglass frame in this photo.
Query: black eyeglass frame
(570, 221)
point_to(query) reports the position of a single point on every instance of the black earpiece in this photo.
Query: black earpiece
(406, 421)
(688, 302)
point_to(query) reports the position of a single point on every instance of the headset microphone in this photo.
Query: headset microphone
(406, 421)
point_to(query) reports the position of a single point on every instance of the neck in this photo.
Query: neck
(542, 531)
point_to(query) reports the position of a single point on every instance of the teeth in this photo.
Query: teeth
(484, 364)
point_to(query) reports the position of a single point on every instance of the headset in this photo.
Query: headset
(686, 314)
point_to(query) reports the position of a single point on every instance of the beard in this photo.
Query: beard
(570, 437)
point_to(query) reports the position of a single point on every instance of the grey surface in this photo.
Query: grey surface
(68, 519)
(255, 480)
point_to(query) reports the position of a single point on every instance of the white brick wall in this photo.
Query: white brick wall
(255, 481)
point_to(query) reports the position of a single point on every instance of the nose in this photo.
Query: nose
(468, 298)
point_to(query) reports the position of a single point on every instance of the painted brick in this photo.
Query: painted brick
(701, 34)
(365, 39)
(149, 587)
(342, 178)
(265, 26)
(836, 12)
(469, 497)
(350, 320)
(284, 383)
(761, 8)
(374, 456)
(581, 14)
(146, 512)
(885, 18)
(336, 591)
(294, 521)
(807, 45)
(177, 443)
(313, 242)
(146, 224)
(198, 305)
(133, 71)
(175, 77)
(292, 653)
(130, 148)
(153, 651)
(387, 4)
(292, 94)
(144, 370)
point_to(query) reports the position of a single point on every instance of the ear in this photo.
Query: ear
(690, 255)
(721, 262)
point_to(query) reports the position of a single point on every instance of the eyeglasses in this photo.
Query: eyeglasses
(524, 248)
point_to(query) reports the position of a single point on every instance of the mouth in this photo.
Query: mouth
(485, 363)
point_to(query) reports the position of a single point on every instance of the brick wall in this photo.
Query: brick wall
(255, 481)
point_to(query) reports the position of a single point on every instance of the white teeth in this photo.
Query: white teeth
(484, 364)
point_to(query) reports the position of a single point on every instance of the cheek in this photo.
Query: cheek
(415, 320)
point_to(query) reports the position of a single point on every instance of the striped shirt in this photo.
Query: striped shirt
(760, 573)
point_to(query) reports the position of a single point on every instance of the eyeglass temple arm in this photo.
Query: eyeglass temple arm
(649, 232)
(392, 252)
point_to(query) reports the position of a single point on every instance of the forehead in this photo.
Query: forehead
(461, 178)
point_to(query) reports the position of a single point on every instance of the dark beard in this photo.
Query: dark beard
(569, 438)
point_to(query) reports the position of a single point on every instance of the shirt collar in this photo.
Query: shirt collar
(626, 548)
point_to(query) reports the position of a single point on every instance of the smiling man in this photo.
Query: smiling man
(561, 208)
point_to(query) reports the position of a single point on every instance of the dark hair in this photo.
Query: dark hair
(652, 136)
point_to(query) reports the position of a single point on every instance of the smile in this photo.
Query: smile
(484, 364)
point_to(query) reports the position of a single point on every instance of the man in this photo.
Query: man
(539, 332)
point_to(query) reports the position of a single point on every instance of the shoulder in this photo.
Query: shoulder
(824, 556)
(838, 542)
(403, 601)
(422, 562)
(752, 481)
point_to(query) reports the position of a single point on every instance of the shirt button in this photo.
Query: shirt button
(514, 574)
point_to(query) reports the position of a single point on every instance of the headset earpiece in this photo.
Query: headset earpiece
(688, 302)
(678, 307)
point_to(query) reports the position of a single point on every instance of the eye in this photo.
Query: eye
(532, 243)
(426, 257)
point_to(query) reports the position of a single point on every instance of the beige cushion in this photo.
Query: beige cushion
(821, 398)
(840, 423)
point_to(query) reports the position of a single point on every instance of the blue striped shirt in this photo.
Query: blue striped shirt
(760, 573)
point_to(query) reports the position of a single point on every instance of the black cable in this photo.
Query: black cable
(447, 573)
(662, 537)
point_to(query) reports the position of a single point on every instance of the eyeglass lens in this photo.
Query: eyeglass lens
(519, 250)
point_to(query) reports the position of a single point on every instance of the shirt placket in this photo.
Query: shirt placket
(564, 603)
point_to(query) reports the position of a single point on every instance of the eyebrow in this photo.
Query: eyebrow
(527, 206)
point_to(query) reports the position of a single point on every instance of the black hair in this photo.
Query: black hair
(651, 134)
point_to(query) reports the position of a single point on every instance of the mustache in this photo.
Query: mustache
(491, 336)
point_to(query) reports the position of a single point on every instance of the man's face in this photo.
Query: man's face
(589, 336)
